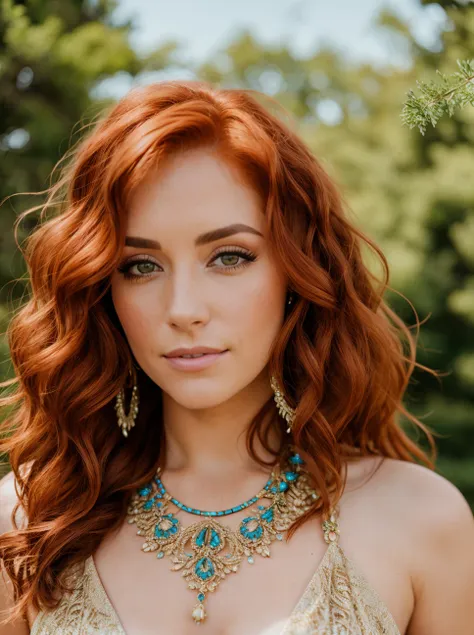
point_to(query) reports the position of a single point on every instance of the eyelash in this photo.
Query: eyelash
(248, 256)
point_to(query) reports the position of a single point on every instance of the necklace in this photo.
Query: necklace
(207, 551)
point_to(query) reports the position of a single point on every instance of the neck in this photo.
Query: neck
(211, 442)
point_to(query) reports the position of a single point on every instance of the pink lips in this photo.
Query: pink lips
(195, 363)
(192, 351)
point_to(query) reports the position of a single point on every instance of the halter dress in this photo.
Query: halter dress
(337, 601)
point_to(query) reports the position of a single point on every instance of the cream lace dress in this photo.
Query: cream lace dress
(337, 601)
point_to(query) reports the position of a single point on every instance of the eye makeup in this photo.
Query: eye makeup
(245, 255)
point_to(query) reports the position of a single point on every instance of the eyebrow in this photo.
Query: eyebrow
(202, 239)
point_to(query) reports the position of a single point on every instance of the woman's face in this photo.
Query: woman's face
(180, 286)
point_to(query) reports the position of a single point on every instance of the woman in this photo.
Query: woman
(203, 340)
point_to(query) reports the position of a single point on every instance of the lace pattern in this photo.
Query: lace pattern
(86, 611)
(337, 601)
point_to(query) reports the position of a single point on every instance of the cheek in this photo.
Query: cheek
(135, 313)
(257, 313)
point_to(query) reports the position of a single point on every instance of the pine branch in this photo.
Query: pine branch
(455, 91)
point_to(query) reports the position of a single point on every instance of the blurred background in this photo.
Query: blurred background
(342, 69)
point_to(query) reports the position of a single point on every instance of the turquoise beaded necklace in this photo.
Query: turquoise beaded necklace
(206, 551)
(199, 512)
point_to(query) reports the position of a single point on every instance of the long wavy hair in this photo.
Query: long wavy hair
(342, 356)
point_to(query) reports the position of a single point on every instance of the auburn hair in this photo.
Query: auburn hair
(342, 357)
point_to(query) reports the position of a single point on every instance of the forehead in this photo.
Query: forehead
(194, 191)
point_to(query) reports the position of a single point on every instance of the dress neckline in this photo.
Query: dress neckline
(286, 622)
(334, 552)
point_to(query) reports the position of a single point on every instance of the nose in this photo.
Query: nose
(185, 301)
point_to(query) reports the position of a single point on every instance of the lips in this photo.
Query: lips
(197, 350)
(195, 364)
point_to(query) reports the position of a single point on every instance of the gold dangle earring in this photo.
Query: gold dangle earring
(126, 422)
(283, 408)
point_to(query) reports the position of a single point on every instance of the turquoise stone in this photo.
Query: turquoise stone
(283, 486)
(251, 534)
(148, 504)
(204, 568)
(201, 538)
(144, 491)
(201, 597)
(159, 533)
(268, 515)
(291, 476)
(160, 554)
(256, 534)
(215, 539)
(166, 533)
(296, 460)
(199, 512)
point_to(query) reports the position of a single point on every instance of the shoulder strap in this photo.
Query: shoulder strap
(331, 526)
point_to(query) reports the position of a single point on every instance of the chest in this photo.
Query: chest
(258, 598)
(269, 596)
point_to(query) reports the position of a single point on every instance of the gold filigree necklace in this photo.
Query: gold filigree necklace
(207, 551)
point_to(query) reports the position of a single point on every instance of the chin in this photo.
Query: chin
(194, 394)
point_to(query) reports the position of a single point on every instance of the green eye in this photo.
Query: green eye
(145, 267)
(243, 254)
(224, 256)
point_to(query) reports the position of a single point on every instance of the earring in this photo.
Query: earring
(126, 422)
(283, 408)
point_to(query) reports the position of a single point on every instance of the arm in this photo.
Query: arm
(8, 500)
(443, 577)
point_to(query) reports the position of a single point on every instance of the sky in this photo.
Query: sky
(205, 26)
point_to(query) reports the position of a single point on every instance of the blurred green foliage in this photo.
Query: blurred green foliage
(413, 194)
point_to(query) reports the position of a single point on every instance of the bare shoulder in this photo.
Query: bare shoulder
(8, 500)
(424, 509)
(422, 493)
(409, 521)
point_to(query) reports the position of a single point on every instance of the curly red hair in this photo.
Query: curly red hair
(343, 357)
